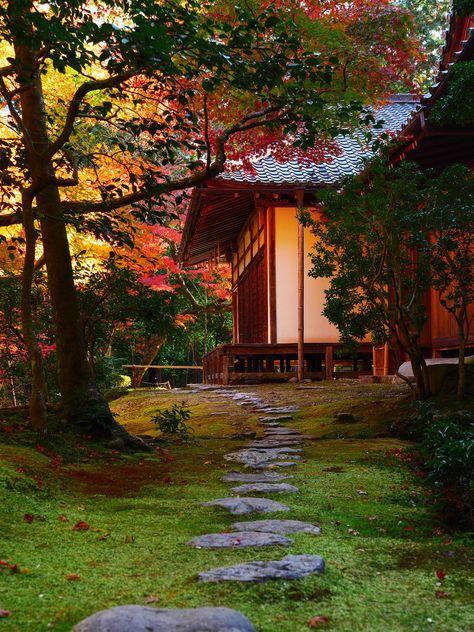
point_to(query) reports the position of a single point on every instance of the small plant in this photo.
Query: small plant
(448, 444)
(173, 420)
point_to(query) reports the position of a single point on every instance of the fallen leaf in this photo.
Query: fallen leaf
(440, 574)
(28, 518)
(440, 594)
(63, 518)
(166, 479)
(352, 531)
(318, 622)
(152, 599)
(372, 518)
(72, 577)
(81, 526)
(362, 492)
(7, 429)
(129, 539)
(104, 536)
(236, 541)
(4, 613)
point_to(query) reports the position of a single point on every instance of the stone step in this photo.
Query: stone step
(241, 506)
(270, 465)
(144, 619)
(265, 488)
(253, 457)
(277, 526)
(238, 540)
(244, 477)
(276, 418)
(290, 567)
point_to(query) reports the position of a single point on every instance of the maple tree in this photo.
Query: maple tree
(155, 96)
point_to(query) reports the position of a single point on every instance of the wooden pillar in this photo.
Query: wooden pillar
(329, 362)
(225, 369)
(301, 258)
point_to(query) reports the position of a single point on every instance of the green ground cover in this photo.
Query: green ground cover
(382, 538)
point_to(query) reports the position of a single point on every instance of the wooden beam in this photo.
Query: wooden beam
(301, 258)
(159, 366)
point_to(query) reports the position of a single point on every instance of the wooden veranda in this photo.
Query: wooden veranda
(255, 363)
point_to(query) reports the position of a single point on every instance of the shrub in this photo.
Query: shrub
(448, 446)
(173, 420)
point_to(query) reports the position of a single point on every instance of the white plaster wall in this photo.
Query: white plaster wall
(317, 327)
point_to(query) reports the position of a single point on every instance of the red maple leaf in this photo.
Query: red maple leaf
(72, 577)
(318, 622)
(440, 574)
(4, 613)
(28, 518)
(81, 526)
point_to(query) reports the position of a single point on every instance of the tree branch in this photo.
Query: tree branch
(79, 95)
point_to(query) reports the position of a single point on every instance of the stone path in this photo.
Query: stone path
(265, 453)
(262, 456)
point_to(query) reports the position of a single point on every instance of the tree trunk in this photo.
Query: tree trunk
(82, 401)
(419, 371)
(37, 404)
(461, 366)
(155, 344)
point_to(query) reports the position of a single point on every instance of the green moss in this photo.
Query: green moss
(143, 509)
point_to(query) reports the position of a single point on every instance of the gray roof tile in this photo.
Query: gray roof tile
(354, 152)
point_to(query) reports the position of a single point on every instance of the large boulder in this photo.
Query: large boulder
(442, 374)
(143, 619)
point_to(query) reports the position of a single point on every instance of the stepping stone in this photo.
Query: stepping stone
(244, 477)
(277, 526)
(143, 619)
(241, 505)
(254, 457)
(284, 410)
(276, 443)
(265, 488)
(276, 418)
(274, 464)
(238, 540)
(290, 567)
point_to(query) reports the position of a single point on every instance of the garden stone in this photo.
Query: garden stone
(273, 464)
(253, 457)
(241, 505)
(276, 418)
(290, 567)
(344, 418)
(262, 444)
(238, 540)
(245, 434)
(244, 477)
(144, 619)
(277, 526)
(265, 488)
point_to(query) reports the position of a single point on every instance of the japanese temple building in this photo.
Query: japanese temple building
(249, 220)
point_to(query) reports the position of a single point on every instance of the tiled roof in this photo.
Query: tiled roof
(354, 151)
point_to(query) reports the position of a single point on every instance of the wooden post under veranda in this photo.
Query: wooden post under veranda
(301, 258)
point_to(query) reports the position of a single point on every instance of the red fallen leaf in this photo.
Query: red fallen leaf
(440, 594)
(39, 483)
(438, 531)
(81, 526)
(14, 568)
(410, 527)
(28, 518)
(5, 563)
(318, 622)
(20, 470)
(448, 541)
(166, 479)
(21, 428)
(440, 574)
(4, 613)
(236, 541)
(72, 577)
(7, 429)
(63, 518)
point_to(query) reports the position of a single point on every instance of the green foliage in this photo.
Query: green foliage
(456, 108)
(463, 7)
(173, 420)
(448, 444)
